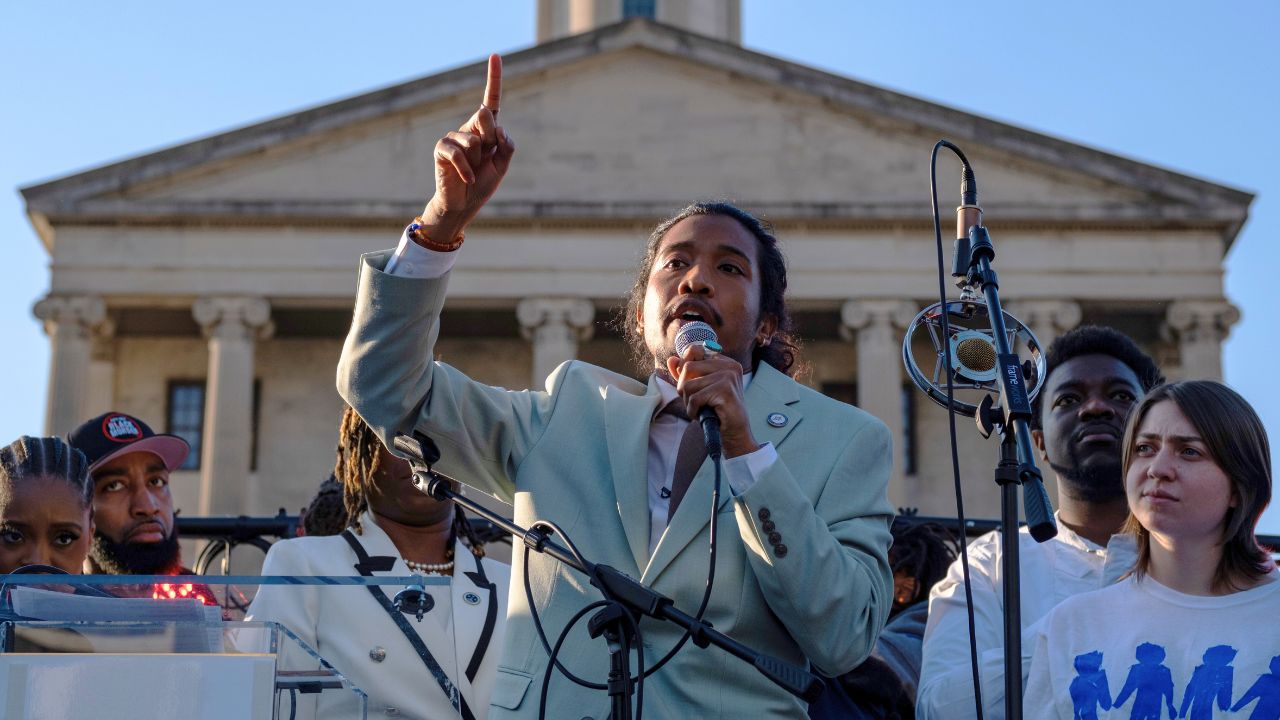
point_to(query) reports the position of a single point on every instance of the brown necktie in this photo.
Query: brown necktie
(689, 457)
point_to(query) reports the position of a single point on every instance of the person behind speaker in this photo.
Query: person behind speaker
(46, 505)
(392, 529)
(884, 686)
(802, 570)
(1197, 613)
(1095, 376)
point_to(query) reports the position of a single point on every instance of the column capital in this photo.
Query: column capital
(85, 313)
(1207, 321)
(576, 314)
(237, 317)
(1057, 315)
(858, 314)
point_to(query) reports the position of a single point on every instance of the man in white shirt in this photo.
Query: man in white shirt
(802, 570)
(1096, 375)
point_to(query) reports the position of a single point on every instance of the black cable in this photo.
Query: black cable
(641, 671)
(293, 704)
(533, 607)
(951, 412)
(553, 653)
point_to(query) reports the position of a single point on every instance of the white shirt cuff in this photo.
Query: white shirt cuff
(744, 470)
(414, 261)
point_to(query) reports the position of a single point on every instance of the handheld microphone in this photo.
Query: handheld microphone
(689, 334)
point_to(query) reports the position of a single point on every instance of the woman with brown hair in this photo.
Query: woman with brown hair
(439, 665)
(1191, 627)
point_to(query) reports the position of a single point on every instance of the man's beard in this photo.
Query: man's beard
(1100, 482)
(154, 558)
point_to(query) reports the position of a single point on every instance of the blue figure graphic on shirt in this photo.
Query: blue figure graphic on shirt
(1089, 689)
(1266, 690)
(1152, 682)
(1210, 682)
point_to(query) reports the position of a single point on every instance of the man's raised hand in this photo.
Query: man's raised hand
(469, 164)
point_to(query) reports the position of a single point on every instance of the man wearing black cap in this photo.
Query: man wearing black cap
(132, 506)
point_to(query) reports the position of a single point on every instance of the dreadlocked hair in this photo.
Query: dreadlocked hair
(358, 463)
(38, 457)
(923, 550)
(462, 529)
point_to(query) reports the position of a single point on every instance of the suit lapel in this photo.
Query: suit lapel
(380, 548)
(475, 602)
(627, 418)
(770, 392)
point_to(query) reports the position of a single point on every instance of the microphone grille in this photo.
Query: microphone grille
(694, 332)
(977, 354)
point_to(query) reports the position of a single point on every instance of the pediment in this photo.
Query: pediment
(631, 121)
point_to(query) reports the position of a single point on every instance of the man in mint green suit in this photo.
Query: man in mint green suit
(802, 571)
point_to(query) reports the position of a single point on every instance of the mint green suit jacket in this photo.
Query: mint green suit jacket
(802, 571)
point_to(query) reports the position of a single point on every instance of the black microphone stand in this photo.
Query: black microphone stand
(622, 590)
(973, 256)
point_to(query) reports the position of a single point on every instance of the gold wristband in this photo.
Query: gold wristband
(417, 233)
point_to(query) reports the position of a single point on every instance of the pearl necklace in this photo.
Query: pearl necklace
(444, 568)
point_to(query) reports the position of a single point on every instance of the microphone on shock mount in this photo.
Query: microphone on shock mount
(698, 332)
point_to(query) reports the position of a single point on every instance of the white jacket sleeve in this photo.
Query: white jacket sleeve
(946, 677)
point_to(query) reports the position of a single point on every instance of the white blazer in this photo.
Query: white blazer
(350, 629)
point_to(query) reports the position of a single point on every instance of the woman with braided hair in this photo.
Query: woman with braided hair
(46, 505)
(441, 664)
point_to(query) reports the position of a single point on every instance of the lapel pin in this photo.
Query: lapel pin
(777, 419)
(471, 598)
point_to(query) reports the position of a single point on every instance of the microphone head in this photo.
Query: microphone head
(975, 366)
(694, 332)
(975, 355)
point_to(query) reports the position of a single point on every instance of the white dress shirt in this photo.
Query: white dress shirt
(412, 260)
(1050, 572)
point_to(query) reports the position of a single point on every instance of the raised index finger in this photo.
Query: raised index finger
(493, 88)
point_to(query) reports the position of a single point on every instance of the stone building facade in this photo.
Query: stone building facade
(207, 287)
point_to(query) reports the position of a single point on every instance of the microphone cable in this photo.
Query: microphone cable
(951, 412)
(642, 672)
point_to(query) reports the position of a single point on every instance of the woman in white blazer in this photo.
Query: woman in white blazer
(441, 666)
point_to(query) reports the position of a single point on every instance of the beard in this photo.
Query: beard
(125, 558)
(1099, 482)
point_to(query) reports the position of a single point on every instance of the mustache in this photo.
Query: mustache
(683, 305)
(146, 523)
(1096, 427)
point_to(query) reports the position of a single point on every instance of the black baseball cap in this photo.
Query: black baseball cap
(114, 434)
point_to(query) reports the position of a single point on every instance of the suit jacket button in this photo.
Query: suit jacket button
(775, 538)
(768, 526)
(378, 654)
(780, 550)
(764, 514)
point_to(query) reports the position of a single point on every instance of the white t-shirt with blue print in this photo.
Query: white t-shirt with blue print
(1140, 651)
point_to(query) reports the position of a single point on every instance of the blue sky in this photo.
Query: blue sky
(1187, 86)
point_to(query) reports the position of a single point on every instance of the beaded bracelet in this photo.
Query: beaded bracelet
(418, 234)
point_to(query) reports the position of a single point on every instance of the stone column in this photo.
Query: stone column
(232, 326)
(877, 327)
(70, 321)
(1047, 318)
(101, 394)
(555, 326)
(1200, 326)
